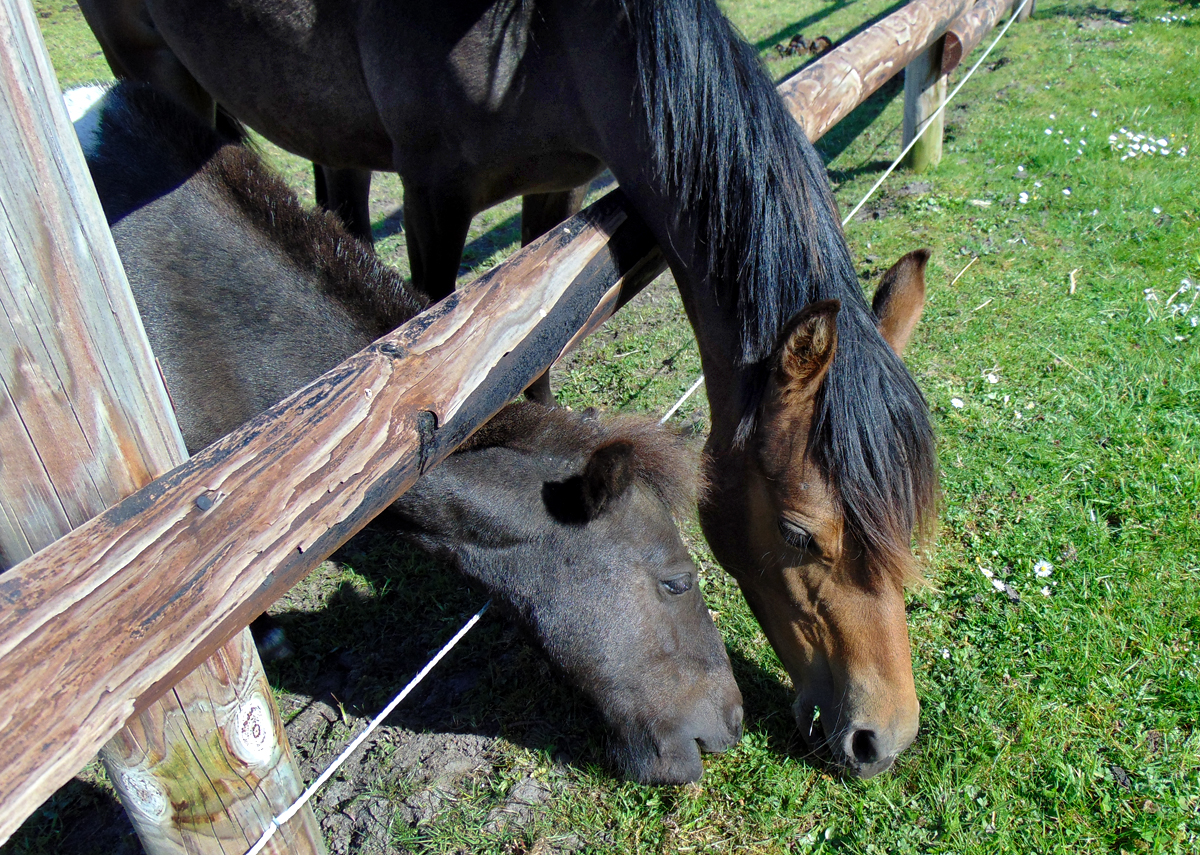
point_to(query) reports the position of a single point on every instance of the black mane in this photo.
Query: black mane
(726, 144)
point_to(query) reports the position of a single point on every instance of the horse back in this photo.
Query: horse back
(238, 309)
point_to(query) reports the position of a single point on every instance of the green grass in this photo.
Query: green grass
(1059, 723)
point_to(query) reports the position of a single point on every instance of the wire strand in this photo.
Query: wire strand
(329, 772)
(921, 131)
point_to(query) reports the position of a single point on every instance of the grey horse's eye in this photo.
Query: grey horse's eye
(797, 537)
(680, 584)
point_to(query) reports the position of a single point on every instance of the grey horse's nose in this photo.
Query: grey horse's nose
(725, 735)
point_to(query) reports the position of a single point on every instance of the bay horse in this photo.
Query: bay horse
(821, 456)
(565, 518)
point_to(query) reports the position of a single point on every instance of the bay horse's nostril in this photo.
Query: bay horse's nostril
(863, 748)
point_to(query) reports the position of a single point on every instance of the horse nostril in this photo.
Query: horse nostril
(735, 722)
(863, 747)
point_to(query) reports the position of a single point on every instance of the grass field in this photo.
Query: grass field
(1057, 644)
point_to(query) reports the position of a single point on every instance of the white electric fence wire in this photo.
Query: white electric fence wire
(278, 821)
(679, 403)
(936, 113)
(890, 169)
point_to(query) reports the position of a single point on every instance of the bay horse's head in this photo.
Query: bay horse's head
(568, 519)
(820, 552)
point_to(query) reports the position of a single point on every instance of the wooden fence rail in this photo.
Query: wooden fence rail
(98, 625)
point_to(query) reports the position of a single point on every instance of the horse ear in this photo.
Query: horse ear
(809, 342)
(608, 474)
(900, 299)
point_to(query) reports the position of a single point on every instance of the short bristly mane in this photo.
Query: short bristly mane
(727, 149)
(662, 460)
(163, 131)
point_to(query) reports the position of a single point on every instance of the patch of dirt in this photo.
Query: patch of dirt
(798, 44)
(359, 636)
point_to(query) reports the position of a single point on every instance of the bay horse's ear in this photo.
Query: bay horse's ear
(608, 474)
(808, 345)
(900, 299)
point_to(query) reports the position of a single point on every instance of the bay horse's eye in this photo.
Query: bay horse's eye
(797, 537)
(680, 584)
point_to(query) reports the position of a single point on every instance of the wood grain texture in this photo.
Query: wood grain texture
(106, 619)
(205, 769)
(965, 34)
(63, 345)
(85, 421)
(825, 91)
(924, 93)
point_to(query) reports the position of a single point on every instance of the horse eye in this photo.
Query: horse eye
(678, 584)
(796, 536)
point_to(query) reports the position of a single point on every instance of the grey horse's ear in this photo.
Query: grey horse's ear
(608, 474)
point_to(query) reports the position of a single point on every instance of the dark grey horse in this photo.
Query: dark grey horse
(565, 518)
(821, 456)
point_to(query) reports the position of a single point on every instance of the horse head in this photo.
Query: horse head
(578, 539)
(827, 588)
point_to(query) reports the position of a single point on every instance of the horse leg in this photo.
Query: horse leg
(346, 192)
(135, 50)
(541, 212)
(436, 222)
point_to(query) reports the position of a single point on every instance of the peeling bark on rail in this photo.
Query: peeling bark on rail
(103, 621)
(826, 91)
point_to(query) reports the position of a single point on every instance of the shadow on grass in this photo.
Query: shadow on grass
(81, 818)
(768, 708)
(358, 648)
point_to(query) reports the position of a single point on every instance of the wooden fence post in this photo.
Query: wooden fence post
(924, 93)
(84, 422)
(1024, 14)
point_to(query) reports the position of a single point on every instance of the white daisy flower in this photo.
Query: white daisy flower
(1043, 569)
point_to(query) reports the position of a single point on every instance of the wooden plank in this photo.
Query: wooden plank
(826, 91)
(968, 30)
(53, 336)
(110, 616)
(924, 93)
(85, 421)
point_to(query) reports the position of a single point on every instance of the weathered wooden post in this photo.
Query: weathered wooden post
(84, 422)
(924, 94)
(1023, 14)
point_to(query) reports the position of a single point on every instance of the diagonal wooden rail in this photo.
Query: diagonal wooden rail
(105, 620)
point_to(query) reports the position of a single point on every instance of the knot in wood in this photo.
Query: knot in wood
(143, 794)
(252, 734)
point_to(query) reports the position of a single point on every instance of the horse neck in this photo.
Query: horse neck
(714, 164)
